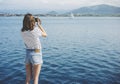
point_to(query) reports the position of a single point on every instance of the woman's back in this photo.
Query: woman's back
(31, 38)
(33, 59)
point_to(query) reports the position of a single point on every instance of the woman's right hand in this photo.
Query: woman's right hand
(44, 34)
(38, 21)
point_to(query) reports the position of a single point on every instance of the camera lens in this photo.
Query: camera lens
(35, 19)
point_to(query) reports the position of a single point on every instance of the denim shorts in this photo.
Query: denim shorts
(33, 57)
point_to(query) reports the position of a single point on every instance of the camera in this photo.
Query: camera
(36, 19)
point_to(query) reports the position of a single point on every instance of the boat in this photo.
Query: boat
(71, 15)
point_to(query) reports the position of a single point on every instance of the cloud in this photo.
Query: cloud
(1, 0)
(53, 4)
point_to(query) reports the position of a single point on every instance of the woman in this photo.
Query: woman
(30, 33)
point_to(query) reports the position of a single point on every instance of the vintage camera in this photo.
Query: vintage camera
(36, 19)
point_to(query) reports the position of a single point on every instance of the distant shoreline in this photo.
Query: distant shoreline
(61, 15)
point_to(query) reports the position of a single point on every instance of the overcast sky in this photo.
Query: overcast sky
(53, 4)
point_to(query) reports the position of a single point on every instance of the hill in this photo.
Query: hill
(102, 9)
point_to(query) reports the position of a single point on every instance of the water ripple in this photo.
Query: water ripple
(73, 54)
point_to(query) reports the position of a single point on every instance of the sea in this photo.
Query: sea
(79, 50)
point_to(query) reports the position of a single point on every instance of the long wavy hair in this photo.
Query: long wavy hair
(28, 22)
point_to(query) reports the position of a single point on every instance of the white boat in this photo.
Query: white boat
(72, 15)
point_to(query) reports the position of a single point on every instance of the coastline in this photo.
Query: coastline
(62, 15)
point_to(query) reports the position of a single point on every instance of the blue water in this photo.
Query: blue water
(83, 50)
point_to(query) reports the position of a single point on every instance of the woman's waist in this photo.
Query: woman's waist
(33, 45)
(33, 50)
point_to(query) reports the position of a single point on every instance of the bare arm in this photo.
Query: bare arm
(44, 34)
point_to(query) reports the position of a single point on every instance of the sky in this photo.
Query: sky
(53, 4)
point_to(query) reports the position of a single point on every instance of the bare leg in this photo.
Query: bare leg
(36, 72)
(28, 73)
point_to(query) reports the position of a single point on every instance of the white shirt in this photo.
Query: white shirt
(31, 38)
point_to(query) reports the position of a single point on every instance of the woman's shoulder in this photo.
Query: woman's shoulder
(35, 29)
(24, 33)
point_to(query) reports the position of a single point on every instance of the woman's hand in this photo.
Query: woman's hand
(38, 21)
(44, 34)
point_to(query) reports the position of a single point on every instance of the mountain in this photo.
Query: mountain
(102, 9)
(52, 13)
(97, 10)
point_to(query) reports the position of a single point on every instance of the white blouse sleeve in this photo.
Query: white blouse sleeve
(38, 32)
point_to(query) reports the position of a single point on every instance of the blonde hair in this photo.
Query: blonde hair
(28, 22)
